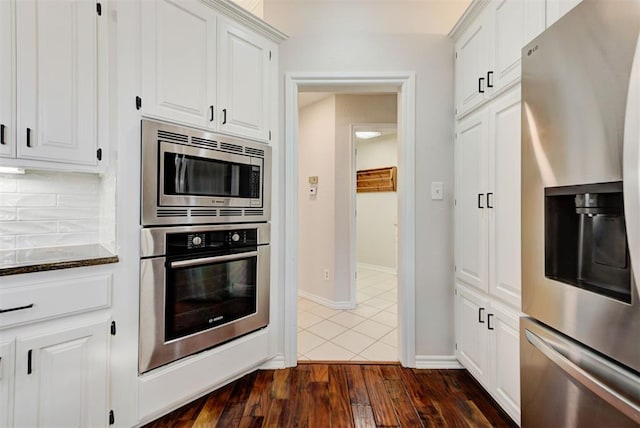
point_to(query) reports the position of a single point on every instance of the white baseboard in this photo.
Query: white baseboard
(276, 362)
(437, 362)
(326, 302)
(383, 269)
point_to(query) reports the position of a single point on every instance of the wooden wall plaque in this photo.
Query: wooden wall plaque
(377, 180)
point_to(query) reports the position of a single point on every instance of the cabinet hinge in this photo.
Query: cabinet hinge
(455, 268)
(456, 55)
(456, 110)
(269, 135)
(113, 328)
(99, 8)
(112, 418)
(138, 103)
(99, 154)
(456, 346)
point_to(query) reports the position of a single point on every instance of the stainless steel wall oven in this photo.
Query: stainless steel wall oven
(197, 177)
(200, 286)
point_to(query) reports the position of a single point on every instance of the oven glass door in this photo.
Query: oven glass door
(209, 291)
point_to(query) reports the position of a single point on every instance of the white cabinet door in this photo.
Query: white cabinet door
(472, 65)
(179, 61)
(472, 333)
(471, 211)
(7, 360)
(7, 79)
(244, 66)
(556, 9)
(514, 23)
(61, 378)
(504, 198)
(57, 80)
(504, 343)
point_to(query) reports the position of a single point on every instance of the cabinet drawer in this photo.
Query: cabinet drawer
(54, 299)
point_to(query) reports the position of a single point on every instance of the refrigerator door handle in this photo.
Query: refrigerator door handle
(615, 399)
(630, 171)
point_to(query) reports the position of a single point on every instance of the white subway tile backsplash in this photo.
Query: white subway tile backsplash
(30, 227)
(7, 257)
(47, 182)
(7, 214)
(76, 201)
(49, 209)
(78, 226)
(27, 200)
(57, 213)
(7, 242)
(7, 184)
(55, 240)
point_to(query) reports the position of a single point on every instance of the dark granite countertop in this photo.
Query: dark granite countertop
(14, 262)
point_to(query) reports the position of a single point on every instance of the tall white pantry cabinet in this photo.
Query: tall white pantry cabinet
(488, 42)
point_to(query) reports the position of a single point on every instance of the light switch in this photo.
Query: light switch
(437, 191)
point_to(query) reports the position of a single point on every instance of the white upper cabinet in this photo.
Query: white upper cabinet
(514, 23)
(57, 80)
(472, 65)
(244, 73)
(179, 61)
(489, 49)
(503, 200)
(558, 8)
(470, 209)
(7, 80)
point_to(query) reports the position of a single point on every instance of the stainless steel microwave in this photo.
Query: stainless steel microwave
(190, 176)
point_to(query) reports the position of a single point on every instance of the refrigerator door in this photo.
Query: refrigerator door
(579, 127)
(565, 384)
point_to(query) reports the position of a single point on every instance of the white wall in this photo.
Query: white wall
(376, 240)
(316, 47)
(316, 214)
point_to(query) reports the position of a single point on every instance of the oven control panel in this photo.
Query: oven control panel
(178, 243)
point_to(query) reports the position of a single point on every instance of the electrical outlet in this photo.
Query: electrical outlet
(325, 274)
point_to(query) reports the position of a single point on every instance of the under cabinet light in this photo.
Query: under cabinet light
(11, 170)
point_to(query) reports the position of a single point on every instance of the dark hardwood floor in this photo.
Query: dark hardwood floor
(343, 395)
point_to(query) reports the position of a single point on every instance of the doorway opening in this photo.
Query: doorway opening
(302, 186)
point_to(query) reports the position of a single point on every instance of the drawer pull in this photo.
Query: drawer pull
(17, 308)
(29, 359)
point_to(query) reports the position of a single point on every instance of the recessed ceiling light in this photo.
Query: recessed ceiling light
(365, 135)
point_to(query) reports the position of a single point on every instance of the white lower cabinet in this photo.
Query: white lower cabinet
(488, 346)
(61, 378)
(7, 364)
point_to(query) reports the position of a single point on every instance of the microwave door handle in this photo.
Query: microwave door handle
(209, 260)
(176, 179)
(183, 172)
(630, 170)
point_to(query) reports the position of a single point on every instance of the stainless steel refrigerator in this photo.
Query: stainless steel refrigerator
(580, 339)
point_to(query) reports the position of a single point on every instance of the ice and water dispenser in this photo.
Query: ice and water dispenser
(586, 240)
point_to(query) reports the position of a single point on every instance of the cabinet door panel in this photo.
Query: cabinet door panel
(7, 359)
(65, 383)
(472, 346)
(472, 64)
(244, 70)
(57, 80)
(504, 217)
(505, 342)
(471, 181)
(178, 63)
(515, 22)
(7, 93)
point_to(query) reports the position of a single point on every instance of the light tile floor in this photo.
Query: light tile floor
(367, 333)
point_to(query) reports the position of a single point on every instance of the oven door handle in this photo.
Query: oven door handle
(209, 260)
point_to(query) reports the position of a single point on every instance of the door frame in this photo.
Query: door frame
(402, 83)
